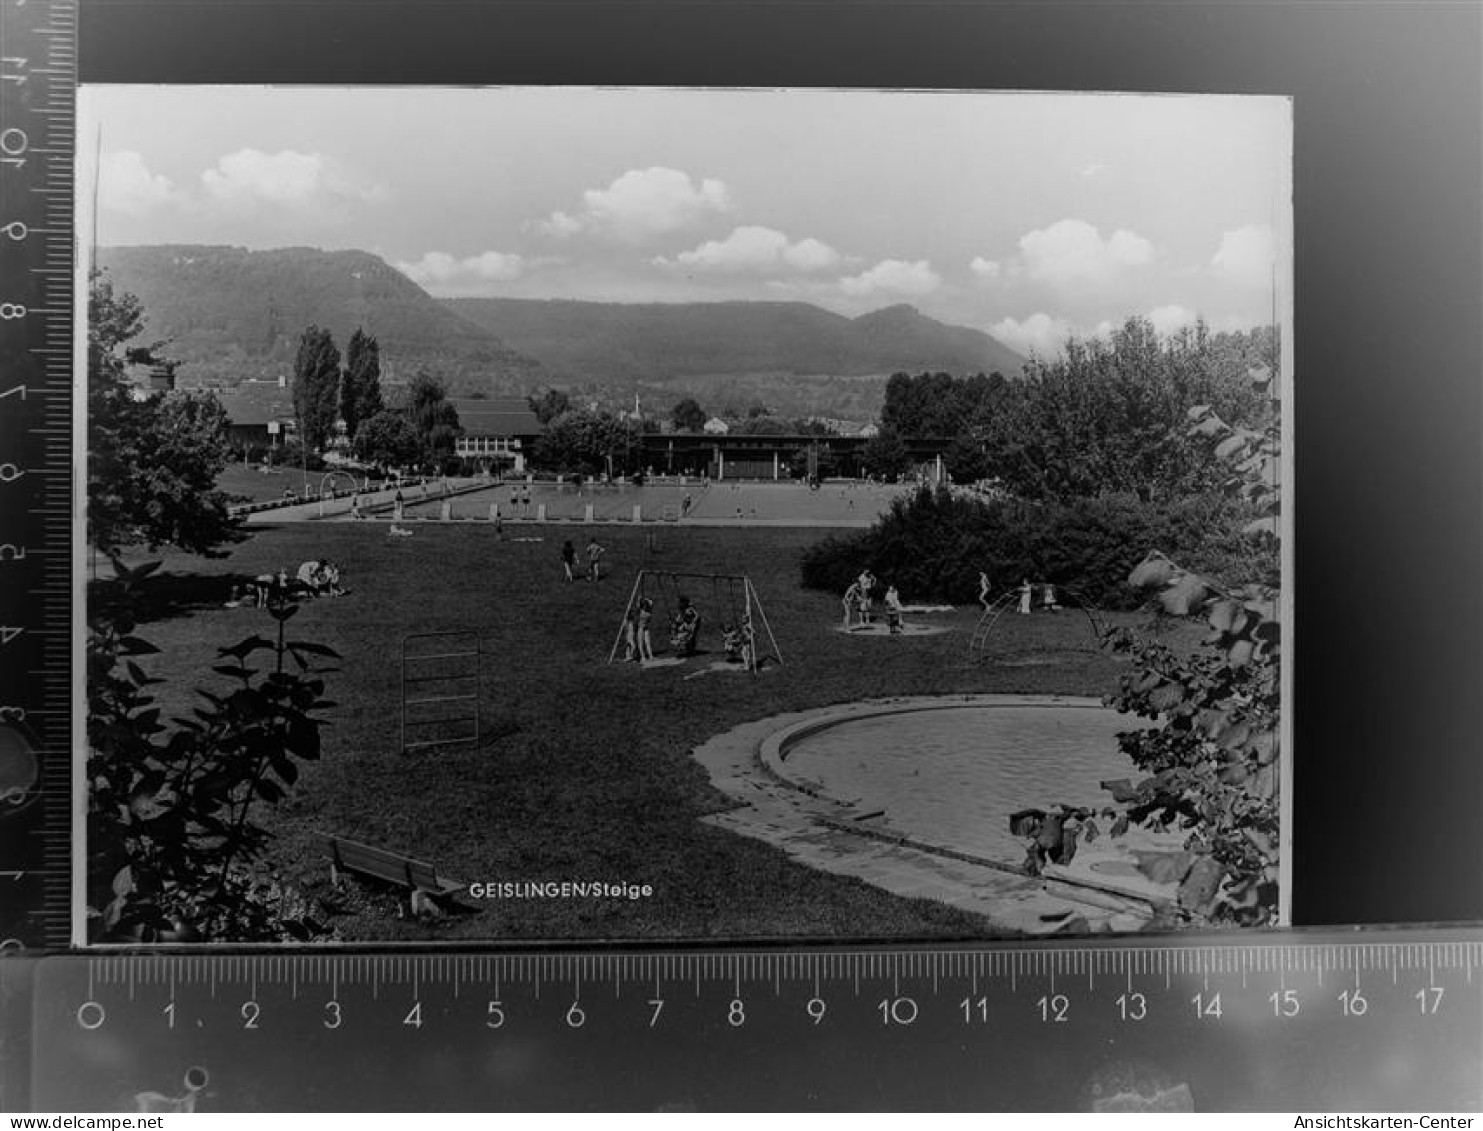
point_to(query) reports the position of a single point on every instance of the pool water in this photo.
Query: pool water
(951, 776)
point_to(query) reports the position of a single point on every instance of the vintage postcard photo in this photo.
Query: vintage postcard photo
(679, 514)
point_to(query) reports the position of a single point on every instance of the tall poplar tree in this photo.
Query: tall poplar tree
(316, 387)
(360, 392)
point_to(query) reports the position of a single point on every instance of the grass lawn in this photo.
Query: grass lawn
(585, 772)
(261, 484)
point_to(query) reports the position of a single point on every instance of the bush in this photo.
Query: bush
(933, 545)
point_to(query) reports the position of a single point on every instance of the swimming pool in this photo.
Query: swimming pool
(948, 775)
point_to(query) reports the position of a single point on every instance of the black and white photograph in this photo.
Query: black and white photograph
(680, 514)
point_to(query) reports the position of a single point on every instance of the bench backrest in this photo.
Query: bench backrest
(382, 864)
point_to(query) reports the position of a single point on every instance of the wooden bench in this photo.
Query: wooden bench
(391, 867)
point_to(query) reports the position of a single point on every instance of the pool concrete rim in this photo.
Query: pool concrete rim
(1089, 878)
(773, 750)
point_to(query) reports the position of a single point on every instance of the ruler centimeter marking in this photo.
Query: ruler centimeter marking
(38, 98)
(1289, 1022)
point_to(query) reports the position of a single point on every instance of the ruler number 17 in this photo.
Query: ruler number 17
(1430, 999)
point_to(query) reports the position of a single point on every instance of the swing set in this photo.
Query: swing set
(733, 610)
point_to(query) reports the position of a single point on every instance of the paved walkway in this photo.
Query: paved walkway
(822, 833)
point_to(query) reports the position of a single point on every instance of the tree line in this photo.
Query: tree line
(1106, 417)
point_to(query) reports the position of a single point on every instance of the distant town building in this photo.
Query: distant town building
(715, 426)
(497, 429)
(261, 413)
(148, 375)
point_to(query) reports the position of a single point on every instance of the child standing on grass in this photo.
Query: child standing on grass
(893, 610)
(645, 623)
(851, 603)
(594, 559)
(569, 559)
(984, 590)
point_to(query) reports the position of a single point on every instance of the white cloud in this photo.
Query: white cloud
(125, 184)
(756, 249)
(640, 204)
(986, 268)
(809, 254)
(442, 272)
(1171, 319)
(1074, 253)
(1246, 256)
(286, 178)
(1039, 334)
(893, 277)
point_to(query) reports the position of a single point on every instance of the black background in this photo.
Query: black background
(1388, 113)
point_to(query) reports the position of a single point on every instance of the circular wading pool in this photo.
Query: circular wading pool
(949, 774)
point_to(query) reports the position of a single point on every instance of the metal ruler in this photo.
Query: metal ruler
(1288, 1022)
(38, 84)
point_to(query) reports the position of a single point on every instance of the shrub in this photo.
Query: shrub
(933, 544)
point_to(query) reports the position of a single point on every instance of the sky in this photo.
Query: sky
(1031, 216)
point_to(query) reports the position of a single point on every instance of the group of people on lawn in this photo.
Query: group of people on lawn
(593, 553)
(738, 641)
(859, 604)
(314, 578)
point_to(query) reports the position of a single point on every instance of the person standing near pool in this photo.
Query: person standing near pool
(985, 590)
(851, 603)
(569, 559)
(1025, 593)
(398, 502)
(594, 559)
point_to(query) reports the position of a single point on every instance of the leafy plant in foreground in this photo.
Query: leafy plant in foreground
(174, 853)
(1213, 763)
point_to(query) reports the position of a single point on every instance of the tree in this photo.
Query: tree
(938, 404)
(549, 405)
(316, 387)
(688, 416)
(761, 426)
(388, 439)
(582, 441)
(152, 461)
(1109, 416)
(433, 415)
(360, 392)
(966, 460)
(885, 454)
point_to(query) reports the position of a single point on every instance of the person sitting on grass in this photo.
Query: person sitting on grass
(685, 629)
(309, 579)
